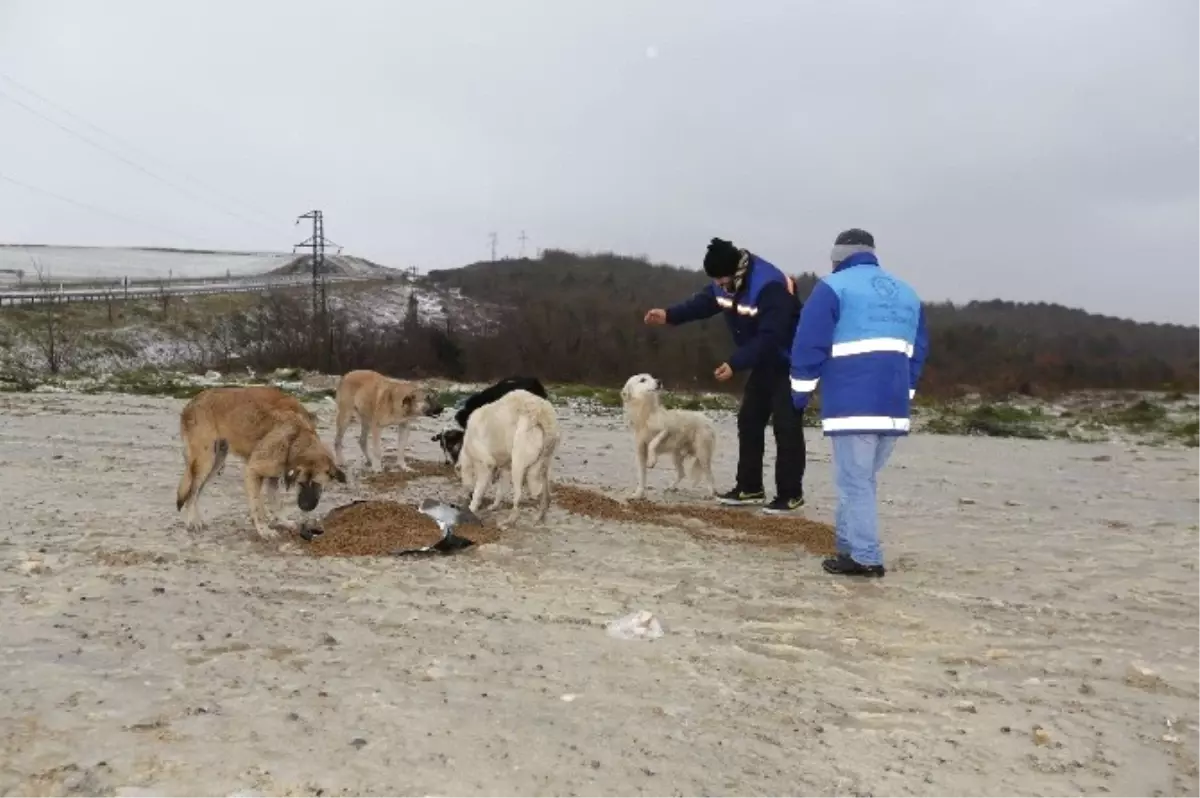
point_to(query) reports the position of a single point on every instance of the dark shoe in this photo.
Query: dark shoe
(738, 497)
(844, 565)
(782, 506)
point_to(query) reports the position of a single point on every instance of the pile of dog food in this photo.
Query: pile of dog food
(393, 479)
(379, 528)
(731, 525)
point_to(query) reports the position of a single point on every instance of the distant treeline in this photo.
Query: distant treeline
(567, 317)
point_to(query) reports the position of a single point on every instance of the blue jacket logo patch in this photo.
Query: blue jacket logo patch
(884, 286)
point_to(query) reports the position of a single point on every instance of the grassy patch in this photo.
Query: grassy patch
(449, 399)
(703, 403)
(604, 397)
(945, 422)
(992, 420)
(1140, 416)
(1187, 433)
(147, 382)
(1005, 421)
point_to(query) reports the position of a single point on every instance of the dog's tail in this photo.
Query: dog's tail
(187, 420)
(202, 454)
(533, 448)
(184, 491)
(540, 478)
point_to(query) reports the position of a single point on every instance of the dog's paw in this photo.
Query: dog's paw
(637, 495)
(651, 462)
(265, 532)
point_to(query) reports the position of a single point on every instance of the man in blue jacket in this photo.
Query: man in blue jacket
(862, 337)
(761, 308)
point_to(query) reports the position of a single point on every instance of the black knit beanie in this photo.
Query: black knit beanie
(722, 259)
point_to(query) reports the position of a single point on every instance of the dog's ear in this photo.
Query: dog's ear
(339, 475)
(290, 472)
(408, 401)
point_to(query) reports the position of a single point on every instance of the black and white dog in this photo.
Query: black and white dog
(451, 439)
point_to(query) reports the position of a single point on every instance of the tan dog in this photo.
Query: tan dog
(517, 432)
(379, 402)
(682, 433)
(271, 431)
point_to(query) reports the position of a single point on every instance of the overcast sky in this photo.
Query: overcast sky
(1016, 149)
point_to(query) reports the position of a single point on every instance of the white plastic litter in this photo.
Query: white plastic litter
(640, 625)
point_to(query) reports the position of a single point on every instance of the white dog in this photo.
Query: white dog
(519, 433)
(682, 433)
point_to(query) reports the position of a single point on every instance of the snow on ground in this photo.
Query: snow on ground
(387, 305)
(83, 263)
(346, 265)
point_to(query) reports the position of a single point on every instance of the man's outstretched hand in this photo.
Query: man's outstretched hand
(723, 372)
(656, 317)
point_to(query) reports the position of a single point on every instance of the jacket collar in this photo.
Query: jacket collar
(857, 259)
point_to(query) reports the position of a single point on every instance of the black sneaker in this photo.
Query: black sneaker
(844, 565)
(782, 506)
(739, 498)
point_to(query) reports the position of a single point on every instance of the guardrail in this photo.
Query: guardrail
(68, 292)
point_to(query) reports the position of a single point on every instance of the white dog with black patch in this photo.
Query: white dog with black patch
(681, 433)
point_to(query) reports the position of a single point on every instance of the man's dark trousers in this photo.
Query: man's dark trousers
(768, 397)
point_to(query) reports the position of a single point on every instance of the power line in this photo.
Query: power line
(95, 209)
(122, 158)
(9, 79)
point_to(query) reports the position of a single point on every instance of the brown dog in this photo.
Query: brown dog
(379, 402)
(271, 431)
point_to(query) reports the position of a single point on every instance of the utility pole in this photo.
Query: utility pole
(316, 242)
(523, 238)
(492, 238)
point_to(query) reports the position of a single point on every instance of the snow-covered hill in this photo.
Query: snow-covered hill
(114, 263)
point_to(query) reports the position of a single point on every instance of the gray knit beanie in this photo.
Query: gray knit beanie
(851, 242)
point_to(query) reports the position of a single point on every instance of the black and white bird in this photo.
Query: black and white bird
(447, 516)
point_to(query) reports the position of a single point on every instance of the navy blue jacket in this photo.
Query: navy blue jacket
(762, 317)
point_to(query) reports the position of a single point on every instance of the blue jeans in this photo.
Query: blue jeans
(857, 459)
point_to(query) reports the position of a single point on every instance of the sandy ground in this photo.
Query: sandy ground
(139, 660)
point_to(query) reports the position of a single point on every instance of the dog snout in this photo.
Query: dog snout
(308, 497)
(433, 409)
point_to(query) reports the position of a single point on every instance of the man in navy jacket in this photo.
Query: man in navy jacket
(761, 308)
